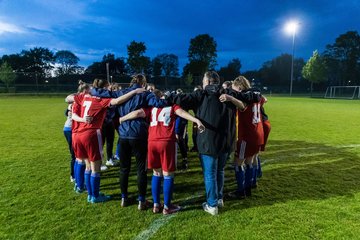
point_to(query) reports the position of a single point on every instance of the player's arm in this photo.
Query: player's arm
(127, 96)
(228, 98)
(181, 113)
(140, 113)
(70, 98)
(77, 118)
(249, 96)
(187, 100)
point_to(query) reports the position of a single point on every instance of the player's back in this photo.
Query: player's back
(250, 124)
(162, 123)
(94, 107)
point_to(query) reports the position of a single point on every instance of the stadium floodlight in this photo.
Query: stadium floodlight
(291, 28)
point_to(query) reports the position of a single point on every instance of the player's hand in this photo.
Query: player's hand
(120, 120)
(224, 98)
(201, 127)
(139, 90)
(88, 119)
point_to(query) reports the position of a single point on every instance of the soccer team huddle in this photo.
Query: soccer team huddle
(228, 118)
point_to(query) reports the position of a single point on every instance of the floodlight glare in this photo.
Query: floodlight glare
(291, 27)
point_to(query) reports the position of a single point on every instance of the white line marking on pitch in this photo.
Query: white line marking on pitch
(158, 223)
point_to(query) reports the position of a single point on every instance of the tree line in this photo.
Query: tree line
(339, 64)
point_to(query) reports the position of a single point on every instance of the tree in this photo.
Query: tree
(7, 75)
(276, 73)
(231, 71)
(137, 62)
(156, 67)
(202, 55)
(38, 60)
(166, 65)
(314, 70)
(116, 65)
(16, 61)
(68, 62)
(343, 59)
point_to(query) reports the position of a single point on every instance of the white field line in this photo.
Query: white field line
(158, 223)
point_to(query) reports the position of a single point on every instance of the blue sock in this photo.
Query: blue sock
(80, 170)
(248, 176)
(254, 176)
(259, 171)
(75, 166)
(87, 181)
(95, 184)
(123, 195)
(168, 188)
(117, 152)
(239, 176)
(155, 188)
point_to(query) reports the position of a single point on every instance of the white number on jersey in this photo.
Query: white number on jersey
(164, 116)
(87, 105)
(256, 112)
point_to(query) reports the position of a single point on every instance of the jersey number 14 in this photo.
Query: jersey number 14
(164, 116)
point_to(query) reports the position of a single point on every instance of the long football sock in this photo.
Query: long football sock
(95, 184)
(75, 167)
(254, 176)
(80, 170)
(87, 177)
(240, 178)
(168, 188)
(248, 176)
(259, 171)
(155, 188)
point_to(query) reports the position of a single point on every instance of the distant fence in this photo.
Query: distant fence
(35, 83)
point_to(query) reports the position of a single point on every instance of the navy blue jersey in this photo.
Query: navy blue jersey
(136, 128)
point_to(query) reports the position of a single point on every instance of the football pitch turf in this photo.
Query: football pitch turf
(310, 187)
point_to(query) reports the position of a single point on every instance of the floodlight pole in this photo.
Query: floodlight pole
(292, 63)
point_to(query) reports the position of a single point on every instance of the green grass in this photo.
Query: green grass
(309, 190)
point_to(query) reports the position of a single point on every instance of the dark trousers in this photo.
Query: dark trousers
(128, 147)
(108, 135)
(194, 135)
(68, 137)
(182, 146)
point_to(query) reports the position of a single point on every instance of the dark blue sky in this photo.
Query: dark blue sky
(250, 30)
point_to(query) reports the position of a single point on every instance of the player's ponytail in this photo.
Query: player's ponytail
(83, 87)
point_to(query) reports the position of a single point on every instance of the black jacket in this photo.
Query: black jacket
(217, 117)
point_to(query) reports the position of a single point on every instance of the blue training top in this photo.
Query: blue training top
(136, 128)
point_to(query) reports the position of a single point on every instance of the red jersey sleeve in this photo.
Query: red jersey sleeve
(176, 107)
(105, 102)
(76, 108)
(78, 98)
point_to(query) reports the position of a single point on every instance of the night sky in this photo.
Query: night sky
(252, 31)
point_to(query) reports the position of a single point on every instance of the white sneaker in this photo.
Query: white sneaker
(212, 210)
(110, 163)
(103, 168)
(220, 203)
(72, 180)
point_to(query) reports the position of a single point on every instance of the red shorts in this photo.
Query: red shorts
(88, 145)
(267, 129)
(246, 149)
(162, 154)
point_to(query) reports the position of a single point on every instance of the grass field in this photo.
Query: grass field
(310, 187)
